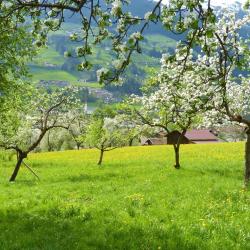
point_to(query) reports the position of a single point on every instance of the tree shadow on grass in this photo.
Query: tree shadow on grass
(227, 173)
(74, 229)
(21, 182)
(91, 177)
(235, 174)
(103, 177)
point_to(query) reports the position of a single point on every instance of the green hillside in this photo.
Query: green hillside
(42, 73)
(136, 200)
(51, 64)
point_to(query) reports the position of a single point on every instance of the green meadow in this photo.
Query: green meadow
(41, 73)
(135, 200)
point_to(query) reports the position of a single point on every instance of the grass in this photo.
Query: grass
(48, 55)
(43, 73)
(88, 84)
(161, 41)
(136, 200)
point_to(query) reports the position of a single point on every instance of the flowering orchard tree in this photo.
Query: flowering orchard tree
(40, 112)
(78, 127)
(220, 74)
(174, 102)
(104, 134)
(110, 20)
(225, 64)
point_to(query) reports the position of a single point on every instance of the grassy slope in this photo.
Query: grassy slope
(48, 55)
(135, 201)
(41, 73)
(100, 56)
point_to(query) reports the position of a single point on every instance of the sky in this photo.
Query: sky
(222, 3)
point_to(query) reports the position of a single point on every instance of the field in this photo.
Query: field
(40, 73)
(136, 200)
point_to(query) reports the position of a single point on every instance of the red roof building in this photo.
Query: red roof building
(201, 136)
(195, 136)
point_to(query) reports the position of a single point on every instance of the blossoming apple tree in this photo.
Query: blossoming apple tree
(23, 129)
(226, 61)
(217, 78)
(104, 133)
(174, 102)
(78, 127)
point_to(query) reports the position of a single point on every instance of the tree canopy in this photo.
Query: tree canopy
(110, 20)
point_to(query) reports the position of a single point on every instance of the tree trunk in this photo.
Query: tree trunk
(17, 167)
(48, 141)
(247, 158)
(177, 149)
(131, 142)
(101, 157)
(177, 156)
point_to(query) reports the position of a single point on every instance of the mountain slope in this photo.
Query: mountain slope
(51, 64)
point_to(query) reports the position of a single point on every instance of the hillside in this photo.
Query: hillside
(51, 65)
(137, 200)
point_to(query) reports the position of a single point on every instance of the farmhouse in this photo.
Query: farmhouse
(194, 136)
(201, 136)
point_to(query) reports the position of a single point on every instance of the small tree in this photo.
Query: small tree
(78, 127)
(104, 134)
(40, 112)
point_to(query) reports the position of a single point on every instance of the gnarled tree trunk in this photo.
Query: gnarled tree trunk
(48, 141)
(247, 158)
(20, 157)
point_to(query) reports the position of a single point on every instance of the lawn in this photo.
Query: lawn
(136, 200)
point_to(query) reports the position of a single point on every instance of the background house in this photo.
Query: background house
(201, 136)
(157, 139)
(194, 136)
